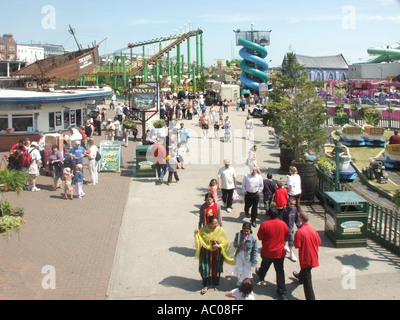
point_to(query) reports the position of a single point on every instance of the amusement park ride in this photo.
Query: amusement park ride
(252, 61)
(142, 68)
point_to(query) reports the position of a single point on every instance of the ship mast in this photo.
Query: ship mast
(72, 31)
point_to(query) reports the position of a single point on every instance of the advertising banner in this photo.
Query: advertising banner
(110, 156)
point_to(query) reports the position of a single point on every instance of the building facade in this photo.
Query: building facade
(8, 48)
(29, 53)
(25, 113)
(324, 68)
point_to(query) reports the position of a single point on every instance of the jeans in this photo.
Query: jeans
(227, 197)
(161, 170)
(280, 272)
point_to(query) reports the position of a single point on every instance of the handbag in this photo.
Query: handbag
(33, 168)
(235, 196)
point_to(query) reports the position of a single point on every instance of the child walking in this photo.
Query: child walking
(172, 168)
(244, 292)
(67, 177)
(216, 130)
(246, 253)
(213, 189)
(78, 180)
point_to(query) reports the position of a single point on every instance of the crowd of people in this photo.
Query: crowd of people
(64, 161)
(277, 234)
(214, 246)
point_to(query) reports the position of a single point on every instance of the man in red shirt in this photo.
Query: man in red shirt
(307, 240)
(395, 139)
(272, 234)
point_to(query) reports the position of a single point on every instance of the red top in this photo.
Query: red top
(281, 197)
(307, 240)
(211, 211)
(272, 234)
(394, 139)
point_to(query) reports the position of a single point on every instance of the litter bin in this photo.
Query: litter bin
(144, 168)
(346, 219)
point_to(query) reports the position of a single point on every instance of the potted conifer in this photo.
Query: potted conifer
(300, 114)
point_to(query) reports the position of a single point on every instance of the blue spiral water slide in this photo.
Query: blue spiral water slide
(247, 53)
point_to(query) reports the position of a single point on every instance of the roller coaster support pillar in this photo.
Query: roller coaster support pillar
(188, 55)
(178, 63)
(197, 51)
(168, 66)
(201, 54)
(337, 160)
(145, 71)
(194, 81)
(124, 72)
(172, 80)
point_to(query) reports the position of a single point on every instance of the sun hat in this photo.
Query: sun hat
(35, 144)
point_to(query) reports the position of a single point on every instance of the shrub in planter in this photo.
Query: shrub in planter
(128, 123)
(13, 180)
(326, 165)
(11, 219)
(159, 123)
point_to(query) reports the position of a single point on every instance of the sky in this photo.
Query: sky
(312, 28)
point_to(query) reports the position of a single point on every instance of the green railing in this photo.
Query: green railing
(383, 223)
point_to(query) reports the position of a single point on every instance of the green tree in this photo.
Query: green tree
(299, 112)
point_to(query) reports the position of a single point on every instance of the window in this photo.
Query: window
(3, 123)
(52, 126)
(22, 122)
(66, 118)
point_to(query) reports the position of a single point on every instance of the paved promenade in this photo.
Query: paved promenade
(132, 239)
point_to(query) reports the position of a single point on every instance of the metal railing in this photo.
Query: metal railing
(383, 223)
(384, 122)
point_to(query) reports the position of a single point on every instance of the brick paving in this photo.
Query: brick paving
(78, 238)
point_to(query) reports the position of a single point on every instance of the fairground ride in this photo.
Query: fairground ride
(253, 65)
(124, 66)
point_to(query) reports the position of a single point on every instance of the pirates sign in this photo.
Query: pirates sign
(143, 98)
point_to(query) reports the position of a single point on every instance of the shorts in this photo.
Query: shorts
(204, 126)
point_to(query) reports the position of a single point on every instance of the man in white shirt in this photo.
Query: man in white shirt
(227, 183)
(42, 145)
(119, 111)
(112, 103)
(252, 186)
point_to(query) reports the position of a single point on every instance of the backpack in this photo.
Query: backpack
(26, 159)
(98, 156)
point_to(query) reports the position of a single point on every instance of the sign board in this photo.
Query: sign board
(263, 89)
(110, 156)
(143, 98)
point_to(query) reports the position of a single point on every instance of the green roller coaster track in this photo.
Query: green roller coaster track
(125, 67)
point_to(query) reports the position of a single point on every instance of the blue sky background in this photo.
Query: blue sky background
(313, 28)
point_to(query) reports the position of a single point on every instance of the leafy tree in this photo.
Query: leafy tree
(299, 112)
